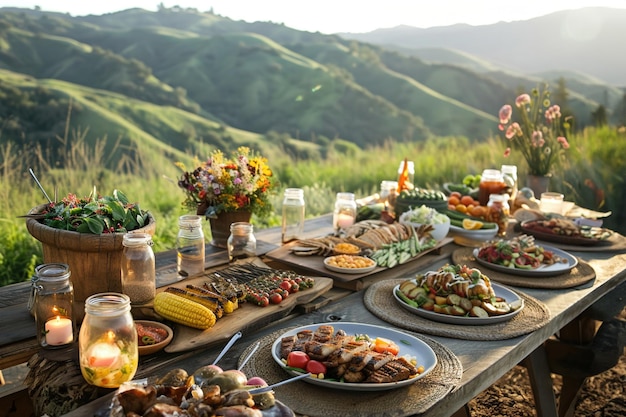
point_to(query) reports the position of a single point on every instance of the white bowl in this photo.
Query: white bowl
(480, 234)
(440, 230)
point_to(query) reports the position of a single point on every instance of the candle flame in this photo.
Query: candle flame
(110, 336)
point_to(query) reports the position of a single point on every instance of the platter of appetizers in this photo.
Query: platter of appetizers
(565, 231)
(456, 294)
(521, 255)
(354, 356)
(349, 264)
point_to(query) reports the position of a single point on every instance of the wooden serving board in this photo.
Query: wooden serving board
(315, 263)
(245, 317)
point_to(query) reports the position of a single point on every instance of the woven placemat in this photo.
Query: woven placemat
(313, 400)
(580, 274)
(380, 301)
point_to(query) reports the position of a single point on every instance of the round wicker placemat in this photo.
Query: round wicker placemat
(380, 301)
(313, 400)
(580, 274)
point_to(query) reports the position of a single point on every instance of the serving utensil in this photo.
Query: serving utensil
(32, 174)
(230, 343)
(286, 381)
(247, 358)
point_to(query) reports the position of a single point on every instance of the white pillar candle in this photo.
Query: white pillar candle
(59, 331)
(551, 203)
(103, 355)
(344, 220)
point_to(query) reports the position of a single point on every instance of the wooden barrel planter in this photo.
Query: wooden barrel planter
(94, 260)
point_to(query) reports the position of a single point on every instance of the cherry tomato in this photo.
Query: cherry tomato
(295, 287)
(316, 367)
(263, 301)
(276, 298)
(297, 359)
(284, 293)
(382, 345)
(285, 285)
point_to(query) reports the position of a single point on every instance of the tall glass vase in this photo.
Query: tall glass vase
(538, 183)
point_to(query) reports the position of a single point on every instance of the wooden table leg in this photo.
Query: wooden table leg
(541, 382)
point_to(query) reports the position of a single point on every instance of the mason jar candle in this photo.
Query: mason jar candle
(52, 305)
(107, 342)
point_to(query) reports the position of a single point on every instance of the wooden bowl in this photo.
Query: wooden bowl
(149, 349)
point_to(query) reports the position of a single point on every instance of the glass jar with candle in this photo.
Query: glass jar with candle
(190, 246)
(491, 182)
(389, 193)
(107, 342)
(293, 215)
(52, 305)
(138, 268)
(509, 174)
(241, 242)
(344, 214)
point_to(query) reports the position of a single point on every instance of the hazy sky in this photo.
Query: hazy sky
(332, 16)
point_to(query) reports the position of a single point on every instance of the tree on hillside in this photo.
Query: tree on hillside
(599, 116)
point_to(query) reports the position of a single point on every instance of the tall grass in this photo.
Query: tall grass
(592, 176)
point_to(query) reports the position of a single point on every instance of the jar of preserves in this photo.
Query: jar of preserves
(293, 215)
(107, 342)
(52, 305)
(491, 182)
(241, 242)
(138, 268)
(344, 214)
(498, 211)
(190, 246)
(389, 193)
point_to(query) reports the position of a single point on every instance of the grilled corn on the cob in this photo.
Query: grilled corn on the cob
(183, 311)
(212, 303)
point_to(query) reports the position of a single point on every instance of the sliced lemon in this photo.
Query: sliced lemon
(469, 224)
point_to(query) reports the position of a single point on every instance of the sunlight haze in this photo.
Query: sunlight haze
(340, 16)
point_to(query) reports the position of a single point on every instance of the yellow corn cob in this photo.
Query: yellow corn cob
(227, 304)
(181, 310)
(212, 303)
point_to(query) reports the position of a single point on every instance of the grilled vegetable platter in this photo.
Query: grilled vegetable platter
(354, 356)
(565, 231)
(208, 391)
(521, 255)
(387, 244)
(209, 308)
(458, 294)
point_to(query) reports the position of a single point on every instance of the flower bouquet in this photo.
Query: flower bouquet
(225, 185)
(539, 135)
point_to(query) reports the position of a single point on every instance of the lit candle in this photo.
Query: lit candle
(59, 331)
(103, 355)
(344, 220)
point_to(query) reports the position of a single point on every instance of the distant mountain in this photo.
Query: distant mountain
(585, 40)
(181, 80)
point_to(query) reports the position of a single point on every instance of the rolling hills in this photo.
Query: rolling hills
(178, 81)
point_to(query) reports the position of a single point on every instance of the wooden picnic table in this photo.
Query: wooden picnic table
(483, 362)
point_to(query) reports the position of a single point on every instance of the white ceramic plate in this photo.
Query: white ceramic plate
(409, 345)
(543, 270)
(501, 291)
(348, 270)
(480, 234)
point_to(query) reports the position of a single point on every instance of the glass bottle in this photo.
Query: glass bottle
(52, 305)
(491, 182)
(388, 193)
(498, 211)
(241, 242)
(107, 342)
(190, 246)
(409, 167)
(344, 214)
(138, 268)
(509, 174)
(293, 215)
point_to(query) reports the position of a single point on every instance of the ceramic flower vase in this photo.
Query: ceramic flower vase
(220, 226)
(538, 183)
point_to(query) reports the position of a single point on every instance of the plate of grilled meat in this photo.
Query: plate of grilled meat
(354, 356)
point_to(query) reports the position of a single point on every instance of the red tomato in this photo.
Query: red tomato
(276, 298)
(316, 367)
(285, 285)
(297, 359)
(263, 301)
